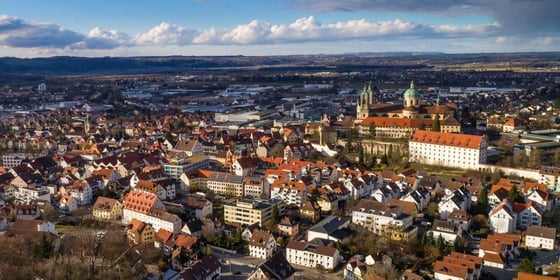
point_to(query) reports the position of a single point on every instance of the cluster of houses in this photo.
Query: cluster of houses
(144, 184)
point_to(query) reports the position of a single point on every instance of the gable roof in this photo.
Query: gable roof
(276, 267)
(447, 139)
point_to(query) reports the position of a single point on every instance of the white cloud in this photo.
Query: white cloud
(166, 34)
(543, 41)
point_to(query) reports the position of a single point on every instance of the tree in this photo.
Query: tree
(482, 201)
(277, 150)
(371, 130)
(421, 126)
(535, 159)
(436, 126)
(515, 195)
(526, 266)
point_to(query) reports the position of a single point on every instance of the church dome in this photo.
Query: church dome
(411, 92)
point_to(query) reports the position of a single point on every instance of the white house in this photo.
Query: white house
(262, 244)
(502, 219)
(447, 230)
(540, 237)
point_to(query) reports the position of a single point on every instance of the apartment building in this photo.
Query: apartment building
(311, 254)
(248, 211)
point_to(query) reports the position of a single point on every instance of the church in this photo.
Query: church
(413, 107)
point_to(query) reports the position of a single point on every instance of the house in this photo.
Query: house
(506, 216)
(330, 228)
(151, 187)
(540, 237)
(208, 268)
(355, 270)
(193, 228)
(473, 263)
(107, 209)
(498, 249)
(191, 147)
(197, 207)
(139, 232)
(68, 203)
(244, 166)
(312, 254)
(184, 249)
(450, 271)
(446, 230)
(455, 200)
(460, 218)
(148, 207)
(274, 268)
(288, 227)
(32, 227)
(262, 244)
(292, 193)
(310, 212)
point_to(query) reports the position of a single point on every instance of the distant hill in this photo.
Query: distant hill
(66, 65)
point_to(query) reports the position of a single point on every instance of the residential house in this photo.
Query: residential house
(455, 200)
(32, 227)
(311, 254)
(460, 218)
(539, 237)
(207, 268)
(355, 270)
(193, 228)
(446, 230)
(310, 211)
(107, 209)
(139, 232)
(191, 147)
(148, 208)
(298, 151)
(498, 249)
(244, 166)
(288, 227)
(506, 216)
(274, 268)
(68, 203)
(450, 271)
(197, 206)
(262, 244)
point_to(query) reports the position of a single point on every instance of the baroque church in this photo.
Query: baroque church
(413, 107)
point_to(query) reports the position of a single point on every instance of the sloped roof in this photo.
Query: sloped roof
(447, 139)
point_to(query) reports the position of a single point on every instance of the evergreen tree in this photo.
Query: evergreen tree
(482, 201)
(526, 266)
(372, 132)
(421, 126)
(435, 124)
(515, 195)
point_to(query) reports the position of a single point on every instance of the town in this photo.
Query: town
(392, 172)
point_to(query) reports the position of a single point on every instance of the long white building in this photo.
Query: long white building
(311, 255)
(447, 149)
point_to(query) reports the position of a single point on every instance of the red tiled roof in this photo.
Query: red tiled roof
(447, 139)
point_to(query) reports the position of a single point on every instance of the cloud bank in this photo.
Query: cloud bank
(18, 33)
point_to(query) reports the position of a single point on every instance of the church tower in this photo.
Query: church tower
(365, 100)
(411, 102)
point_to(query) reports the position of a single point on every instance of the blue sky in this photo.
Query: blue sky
(32, 28)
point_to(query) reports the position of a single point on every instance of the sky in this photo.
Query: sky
(44, 28)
